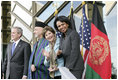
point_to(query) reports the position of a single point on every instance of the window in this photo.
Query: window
(111, 28)
(42, 2)
(26, 32)
(23, 15)
(66, 11)
(26, 4)
(49, 11)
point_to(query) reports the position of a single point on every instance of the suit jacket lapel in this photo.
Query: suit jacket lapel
(17, 47)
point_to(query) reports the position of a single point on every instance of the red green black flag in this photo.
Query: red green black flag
(99, 57)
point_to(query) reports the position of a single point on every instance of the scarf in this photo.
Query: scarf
(53, 62)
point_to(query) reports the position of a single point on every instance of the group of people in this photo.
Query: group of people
(48, 55)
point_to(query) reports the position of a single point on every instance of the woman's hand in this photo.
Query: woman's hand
(53, 69)
(59, 52)
(47, 54)
(3, 76)
(33, 68)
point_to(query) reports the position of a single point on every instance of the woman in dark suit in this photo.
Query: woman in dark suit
(70, 46)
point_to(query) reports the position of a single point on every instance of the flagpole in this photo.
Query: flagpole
(71, 4)
(93, 2)
(71, 8)
(56, 11)
(83, 3)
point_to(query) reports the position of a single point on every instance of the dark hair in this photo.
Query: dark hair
(62, 19)
(47, 28)
(40, 24)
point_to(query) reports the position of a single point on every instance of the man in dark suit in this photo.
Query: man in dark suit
(17, 56)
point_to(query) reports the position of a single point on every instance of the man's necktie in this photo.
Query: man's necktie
(13, 48)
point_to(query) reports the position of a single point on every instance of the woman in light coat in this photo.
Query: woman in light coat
(50, 52)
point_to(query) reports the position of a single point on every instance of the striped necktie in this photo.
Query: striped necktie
(13, 48)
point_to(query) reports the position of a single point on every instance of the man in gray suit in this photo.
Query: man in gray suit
(17, 56)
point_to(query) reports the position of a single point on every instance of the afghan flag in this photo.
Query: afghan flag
(99, 57)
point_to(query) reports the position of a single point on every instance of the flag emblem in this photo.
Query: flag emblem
(99, 50)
